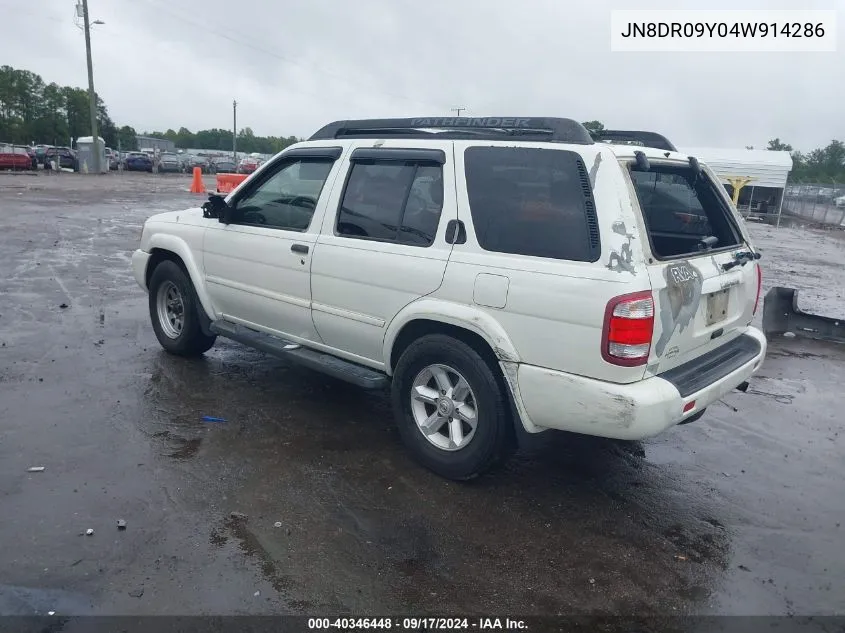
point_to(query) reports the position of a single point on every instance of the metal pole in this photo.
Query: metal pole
(235, 132)
(92, 97)
(780, 206)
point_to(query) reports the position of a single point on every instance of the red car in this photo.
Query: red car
(14, 158)
(248, 165)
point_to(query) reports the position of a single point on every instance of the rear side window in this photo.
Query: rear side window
(393, 201)
(535, 202)
(683, 211)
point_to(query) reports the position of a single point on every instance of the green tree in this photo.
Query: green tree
(105, 126)
(127, 138)
(184, 138)
(776, 146)
(594, 126)
(78, 112)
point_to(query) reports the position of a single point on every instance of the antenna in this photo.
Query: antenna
(458, 110)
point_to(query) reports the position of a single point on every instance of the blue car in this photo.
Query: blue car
(138, 161)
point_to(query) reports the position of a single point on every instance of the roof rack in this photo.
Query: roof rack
(495, 128)
(632, 137)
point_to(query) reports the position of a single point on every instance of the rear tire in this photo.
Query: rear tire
(444, 385)
(174, 312)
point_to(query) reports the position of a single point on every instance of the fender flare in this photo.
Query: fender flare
(460, 315)
(178, 246)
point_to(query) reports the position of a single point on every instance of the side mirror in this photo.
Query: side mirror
(216, 207)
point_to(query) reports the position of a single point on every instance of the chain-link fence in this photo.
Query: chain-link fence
(819, 203)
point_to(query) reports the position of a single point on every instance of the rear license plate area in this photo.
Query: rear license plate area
(717, 307)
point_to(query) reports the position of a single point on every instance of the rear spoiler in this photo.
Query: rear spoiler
(633, 137)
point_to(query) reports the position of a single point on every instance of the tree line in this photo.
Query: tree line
(32, 111)
(35, 112)
(822, 165)
(217, 139)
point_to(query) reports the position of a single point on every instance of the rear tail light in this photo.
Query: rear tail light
(759, 288)
(628, 329)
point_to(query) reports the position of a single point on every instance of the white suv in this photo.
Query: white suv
(497, 273)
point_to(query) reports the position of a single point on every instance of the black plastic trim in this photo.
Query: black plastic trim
(313, 152)
(399, 154)
(703, 371)
(339, 368)
(526, 128)
(456, 232)
(648, 139)
(590, 214)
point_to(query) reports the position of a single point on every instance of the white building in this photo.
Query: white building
(768, 171)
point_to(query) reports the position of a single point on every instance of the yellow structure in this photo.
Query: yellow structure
(737, 182)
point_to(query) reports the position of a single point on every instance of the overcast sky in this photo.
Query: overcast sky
(294, 65)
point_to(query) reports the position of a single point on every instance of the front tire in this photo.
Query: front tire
(451, 409)
(174, 312)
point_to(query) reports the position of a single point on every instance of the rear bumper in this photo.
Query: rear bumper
(140, 259)
(557, 400)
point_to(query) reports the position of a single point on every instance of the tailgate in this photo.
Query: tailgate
(702, 270)
(699, 306)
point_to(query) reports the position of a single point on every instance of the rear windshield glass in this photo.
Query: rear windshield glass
(683, 212)
(535, 202)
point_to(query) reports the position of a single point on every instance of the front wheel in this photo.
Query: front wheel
(451, 409)
(174, 311)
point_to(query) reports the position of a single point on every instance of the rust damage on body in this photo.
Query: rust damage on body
(678, 301)
(622, 260)
(594, 170)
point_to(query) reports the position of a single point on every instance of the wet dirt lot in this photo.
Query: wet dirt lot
(740, 513)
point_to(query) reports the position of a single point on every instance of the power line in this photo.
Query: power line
(227, 36)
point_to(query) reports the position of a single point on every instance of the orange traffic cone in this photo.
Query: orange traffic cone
(197, 186)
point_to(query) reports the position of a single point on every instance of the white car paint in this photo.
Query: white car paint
(541, 317)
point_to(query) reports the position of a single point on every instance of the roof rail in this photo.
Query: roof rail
(492, 128)
(632, 137)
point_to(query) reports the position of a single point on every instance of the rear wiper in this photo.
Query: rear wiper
(741, 259)
(707, 242)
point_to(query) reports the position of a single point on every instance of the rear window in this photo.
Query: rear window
(535, 202)
(683, 211)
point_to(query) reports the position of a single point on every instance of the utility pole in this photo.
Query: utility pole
(458, 110)
(235, 132)
(92, 97)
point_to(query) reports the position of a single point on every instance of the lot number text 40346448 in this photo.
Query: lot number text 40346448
(416, 624)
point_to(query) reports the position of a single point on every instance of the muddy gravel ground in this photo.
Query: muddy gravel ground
(740, 513)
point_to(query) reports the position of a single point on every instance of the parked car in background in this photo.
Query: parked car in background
(224, 166)
(170, 163)
(30, 151)
(248, 165)
(194, 160)
(14, 157)
(64, 156)
(138, 161)
(840, 201)
(112, 158)
(39, 153)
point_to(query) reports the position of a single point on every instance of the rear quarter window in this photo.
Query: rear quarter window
(535, 202)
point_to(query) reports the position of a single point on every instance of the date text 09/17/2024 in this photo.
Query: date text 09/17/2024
(416, 624)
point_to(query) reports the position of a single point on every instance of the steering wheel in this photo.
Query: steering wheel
(310, 203)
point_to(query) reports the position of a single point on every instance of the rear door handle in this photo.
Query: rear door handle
(299, 248)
